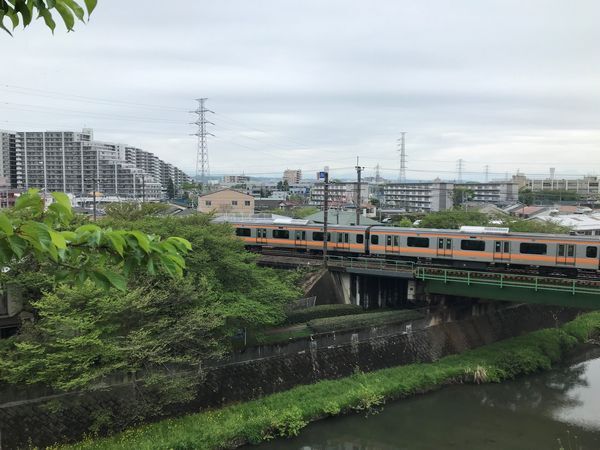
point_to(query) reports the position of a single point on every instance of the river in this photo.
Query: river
(530, 413)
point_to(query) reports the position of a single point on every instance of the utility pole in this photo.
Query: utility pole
(202, 167)
(358, 179)
(402, 151)
(325, 176)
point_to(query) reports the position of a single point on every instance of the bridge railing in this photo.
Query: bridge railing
(371, 264)
(502, 280)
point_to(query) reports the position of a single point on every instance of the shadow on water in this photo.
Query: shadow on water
(526, 414)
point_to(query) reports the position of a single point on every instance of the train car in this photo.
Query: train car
(480, 247)
(300, 236)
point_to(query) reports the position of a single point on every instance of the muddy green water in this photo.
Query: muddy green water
(530, 413)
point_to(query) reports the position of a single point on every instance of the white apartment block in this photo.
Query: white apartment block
(74, 162)
(492, 192)
(419, 197)
(340, 194)
(589, 185)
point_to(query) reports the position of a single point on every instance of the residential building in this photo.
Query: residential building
(491, 192)
(236, 179)
(228, 201)
(586, 186)
(580, 224)
(419, 197)
(292, 176)
(8, 195)
(75, 163)
(342, 194)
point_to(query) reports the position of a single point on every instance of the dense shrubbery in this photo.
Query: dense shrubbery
(82, 333)
(364, 320)
(317, 312)
(286, 413)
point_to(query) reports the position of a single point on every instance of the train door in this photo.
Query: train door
(444, 247)
(343, 240)
(261, 235)
(501, 251)
(392, 243)
(300, 238)
(565, 254)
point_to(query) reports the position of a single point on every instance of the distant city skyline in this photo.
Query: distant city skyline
(513, 85)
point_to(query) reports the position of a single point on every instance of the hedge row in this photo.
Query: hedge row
(317, 312)
(286, 413)
(365, 320)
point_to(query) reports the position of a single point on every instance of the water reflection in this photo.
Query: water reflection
(530, 413)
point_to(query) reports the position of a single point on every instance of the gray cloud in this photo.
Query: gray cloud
(303, 84)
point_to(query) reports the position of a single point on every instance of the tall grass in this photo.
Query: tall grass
(285, 414)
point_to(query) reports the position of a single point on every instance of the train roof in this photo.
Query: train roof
(470, 231)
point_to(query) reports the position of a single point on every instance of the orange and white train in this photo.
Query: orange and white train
(469, 247)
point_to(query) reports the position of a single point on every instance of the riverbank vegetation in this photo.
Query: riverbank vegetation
(285, 414)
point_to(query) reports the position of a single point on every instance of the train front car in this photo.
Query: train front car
(299, 236)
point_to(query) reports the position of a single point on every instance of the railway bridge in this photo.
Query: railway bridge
(380, 282)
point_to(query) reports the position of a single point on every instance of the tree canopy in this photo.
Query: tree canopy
(24, 11)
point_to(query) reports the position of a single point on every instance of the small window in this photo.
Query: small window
(234, 202)
(507, 247)
(388, 241)
(340, 237)
(360, 239)
(246, 202)
(528, 248)
(472, 245)
(243, 232)
(441, 243)
(396, 241)
(591, 252)
(374, 239)
(417, 242)
(317, 235)
(570, 251)
(561, 249)
(281, 234)
(207, 202)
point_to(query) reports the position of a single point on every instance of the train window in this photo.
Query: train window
(498, 246)
(506, 247)
(388, 240)
(300, 235)
(340, 237)
(591, 252)
(318, 236)
(346, 238)
(374, 239)
(570, 251)
(360, 239)
(561, 249)
(281, 234)
(441, 243)
(529, 248)
(243, 231)
(417, 242)
(396, 241)
(472, 245)
(448, 244)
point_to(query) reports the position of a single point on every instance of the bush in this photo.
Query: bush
(318, 312)
(363, 320)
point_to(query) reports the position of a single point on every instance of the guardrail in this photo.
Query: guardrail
(370, 264)
(501, 280)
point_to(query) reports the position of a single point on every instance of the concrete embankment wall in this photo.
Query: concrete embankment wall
(41, 417)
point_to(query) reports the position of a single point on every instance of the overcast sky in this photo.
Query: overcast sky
(303, 84)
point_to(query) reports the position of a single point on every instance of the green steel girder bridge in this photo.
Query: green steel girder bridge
(577, 293)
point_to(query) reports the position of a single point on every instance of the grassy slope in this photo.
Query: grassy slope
(284, 414)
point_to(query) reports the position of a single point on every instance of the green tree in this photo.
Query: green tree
(461, 195)
(23, 12)
(170, 189)
(453, 219)
(130, 211)
(34, 238)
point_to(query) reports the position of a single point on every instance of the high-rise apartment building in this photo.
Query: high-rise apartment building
(74, 162)
(292, 176)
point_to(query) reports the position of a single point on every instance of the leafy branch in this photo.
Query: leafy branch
(23, 11)
(103, 255)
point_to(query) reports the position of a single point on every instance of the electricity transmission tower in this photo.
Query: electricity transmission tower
(459, 168)
(202, 167)
(402, 151)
